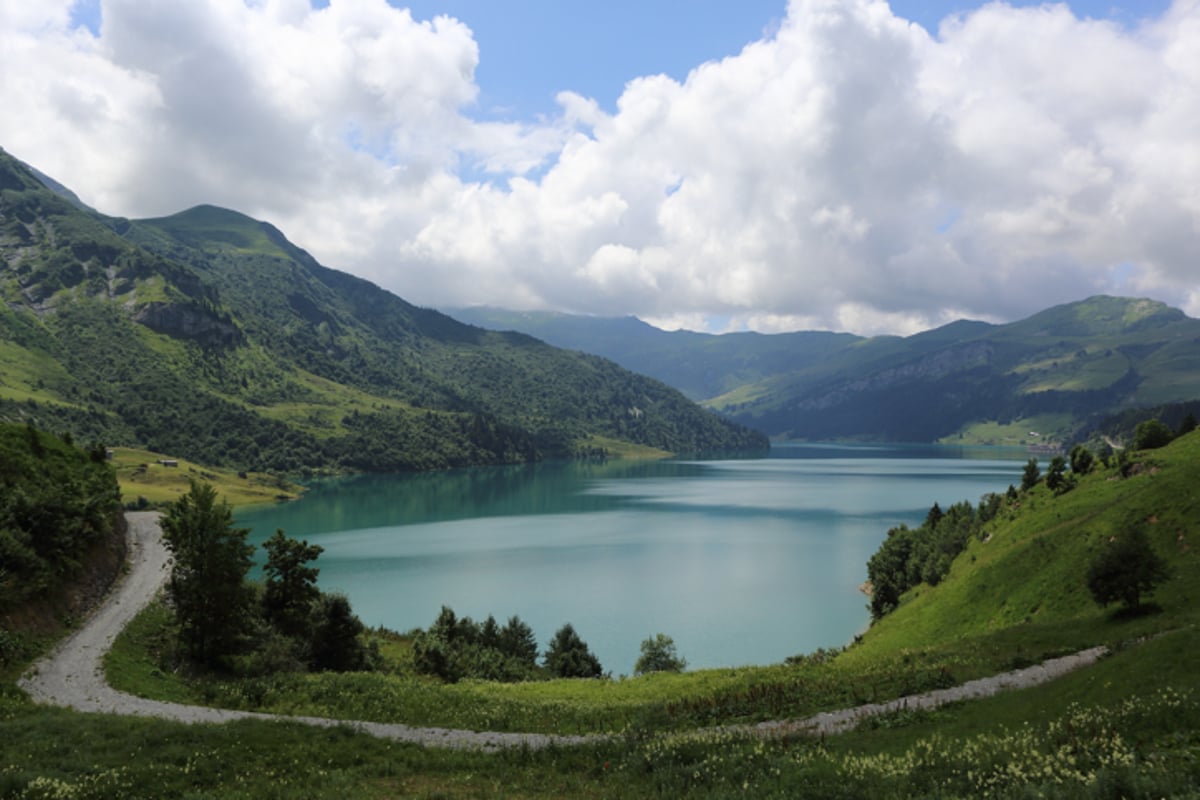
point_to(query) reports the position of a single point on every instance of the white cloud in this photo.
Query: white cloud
(847, 171)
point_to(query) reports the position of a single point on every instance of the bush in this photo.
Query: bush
(1125, 569)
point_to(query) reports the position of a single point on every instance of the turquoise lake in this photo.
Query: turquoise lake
(741, 561)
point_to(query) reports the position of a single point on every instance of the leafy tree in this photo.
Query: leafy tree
(569, 657)
(1082, 460)
(887, 570)
(291, 586)
(208, 585)
(1031, 475)
(1126, 569)
(1151, 434)
(658, 655)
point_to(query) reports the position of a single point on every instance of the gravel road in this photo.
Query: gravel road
(72, 675)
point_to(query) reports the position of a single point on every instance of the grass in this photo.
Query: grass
(618, 448)
(140, 475)
(27, 375)
(1016, 433)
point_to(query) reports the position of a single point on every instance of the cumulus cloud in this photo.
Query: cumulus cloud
(848, 171)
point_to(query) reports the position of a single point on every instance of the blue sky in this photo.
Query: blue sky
(532, 49)
(848, 172)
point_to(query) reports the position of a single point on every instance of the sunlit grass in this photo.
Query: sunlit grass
(141, 475)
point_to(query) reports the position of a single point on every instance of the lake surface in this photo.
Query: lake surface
(741, 561)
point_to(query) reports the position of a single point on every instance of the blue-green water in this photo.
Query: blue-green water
(740, 561)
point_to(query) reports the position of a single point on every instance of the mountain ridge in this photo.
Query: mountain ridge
(1063, 367)
(209, 335)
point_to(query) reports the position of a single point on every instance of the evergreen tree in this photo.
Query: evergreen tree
(1187, 425)
(336, 645)
(208, 585)
(1056, 477)
(569, 657)
(518, 642)
(291, 587)
(1082, 460)
(1031, 475)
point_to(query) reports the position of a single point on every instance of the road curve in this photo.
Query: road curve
(73, 675)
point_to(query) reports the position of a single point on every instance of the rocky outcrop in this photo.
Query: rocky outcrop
(207, 328)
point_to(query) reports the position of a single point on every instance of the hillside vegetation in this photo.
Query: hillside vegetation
(208, 336)
(59, 514)
(1043, 378)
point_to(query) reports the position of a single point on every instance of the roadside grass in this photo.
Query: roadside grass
(1138, 741)
(140, 475)
(141, 663)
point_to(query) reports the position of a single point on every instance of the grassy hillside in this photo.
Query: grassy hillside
(209, 336)
(1126, 727)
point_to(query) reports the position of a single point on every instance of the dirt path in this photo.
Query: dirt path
(73, 676)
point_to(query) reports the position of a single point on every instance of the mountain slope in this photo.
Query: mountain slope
(700, 365)
(1061, 367)
(207, 334)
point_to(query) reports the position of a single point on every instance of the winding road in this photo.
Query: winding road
(73, 675)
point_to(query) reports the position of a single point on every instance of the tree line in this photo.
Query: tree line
(226, 622)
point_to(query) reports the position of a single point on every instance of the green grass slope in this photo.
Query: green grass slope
(1022, 585)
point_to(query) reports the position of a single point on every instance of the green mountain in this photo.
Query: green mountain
(209, 335)
(1055, 372)
(700, 365)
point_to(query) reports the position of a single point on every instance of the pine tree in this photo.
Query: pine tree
(208, 585)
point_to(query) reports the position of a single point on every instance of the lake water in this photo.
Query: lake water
(741, 561)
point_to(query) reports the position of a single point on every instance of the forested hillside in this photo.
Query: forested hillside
(58, 504)
(208, 335)
(1058, 372)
